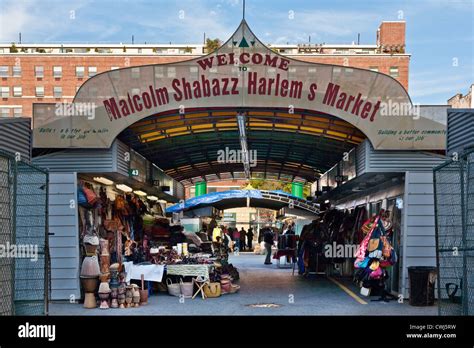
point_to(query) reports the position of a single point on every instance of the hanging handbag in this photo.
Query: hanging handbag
(212, 289)
(90, 195)
(387, 248)
(81, 198)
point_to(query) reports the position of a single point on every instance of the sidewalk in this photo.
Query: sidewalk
(261, 284)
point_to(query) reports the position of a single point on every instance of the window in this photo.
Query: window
(17, 91)
(79, 71)
(17, 71)
(135, 73)
(4, 92)
(92, 71)
(374, 68)
(39, 91)
(58, 92)
(39, 71)
(5, 112)
(4, 71)
(394, 71)
(17, 112)
(57, 71)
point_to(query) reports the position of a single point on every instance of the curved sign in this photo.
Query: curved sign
(243, 72)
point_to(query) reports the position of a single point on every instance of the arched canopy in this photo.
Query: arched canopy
(300, 144)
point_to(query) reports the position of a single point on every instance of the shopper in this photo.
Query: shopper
(250, 238)
(216, 232)
(242, 239)
(291, 229)
(268, 237)
(236, 236)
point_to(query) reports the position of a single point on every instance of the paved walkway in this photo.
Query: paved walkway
(263, 284)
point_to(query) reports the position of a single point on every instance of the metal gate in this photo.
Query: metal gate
(454, 216)
(24, 264)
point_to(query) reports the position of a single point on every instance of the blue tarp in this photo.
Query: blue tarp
(213, 198)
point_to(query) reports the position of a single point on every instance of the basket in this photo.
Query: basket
(186, 289)
(212, 289)
(173, 289)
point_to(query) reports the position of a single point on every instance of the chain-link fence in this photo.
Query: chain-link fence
(454, 210)
(7, 264)
(24, 265)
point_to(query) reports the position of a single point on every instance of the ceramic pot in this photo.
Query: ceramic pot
(104, 296)
(90, 267)
(121, 300)
(136, 301)
(89, 284)
(104, 247)
(91, 239)
(121, 290)
(89, 300)
(104, 305)
(104, 288)
(115, 267)
(91, 250)
(114, 293)
(114, 303)
(104, 263)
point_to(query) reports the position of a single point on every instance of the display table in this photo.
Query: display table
(189, 270)
(151, 272)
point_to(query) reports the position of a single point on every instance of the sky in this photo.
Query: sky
(439, 32)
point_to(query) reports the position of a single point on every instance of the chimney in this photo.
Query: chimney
(391, 37)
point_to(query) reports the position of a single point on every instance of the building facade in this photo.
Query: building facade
(53, 73)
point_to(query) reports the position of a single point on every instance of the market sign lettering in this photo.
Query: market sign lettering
(256, 85)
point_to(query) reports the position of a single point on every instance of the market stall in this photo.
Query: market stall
(131, 248)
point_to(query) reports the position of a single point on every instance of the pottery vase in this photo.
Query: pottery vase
(90, 267)
(89, 300)
(89, 284)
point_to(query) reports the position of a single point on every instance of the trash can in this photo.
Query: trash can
(422, 285)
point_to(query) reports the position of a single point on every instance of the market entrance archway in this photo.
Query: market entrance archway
(242, 73)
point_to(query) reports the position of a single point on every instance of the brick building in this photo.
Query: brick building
(35, 73)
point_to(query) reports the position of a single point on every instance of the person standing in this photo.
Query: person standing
(250, 238)
(242, 239)
(268, 239)
(236, 236)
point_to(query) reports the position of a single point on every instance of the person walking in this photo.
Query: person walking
(250, 238)
(242, 239)
(236, 237)
(268, 237)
